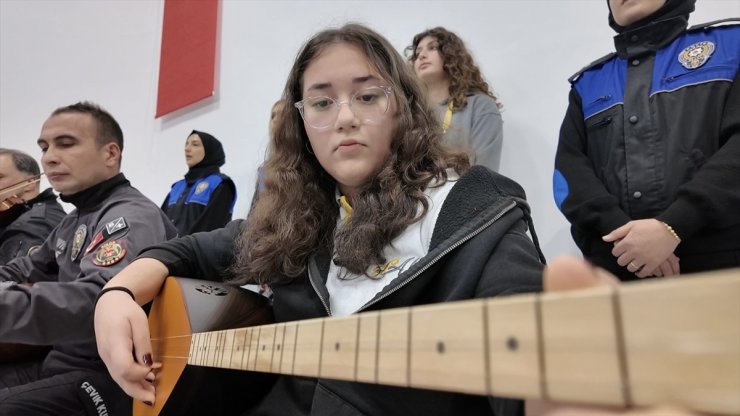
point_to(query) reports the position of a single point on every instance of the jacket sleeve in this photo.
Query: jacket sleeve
(59, 305)
(712, 196)
(218, 211)
(578, 192)
(207, 255)
(487, 134)
(18, 241)
(512, 267)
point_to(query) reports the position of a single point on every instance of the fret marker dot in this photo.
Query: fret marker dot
(278, 347)
(263, 347)
(440, 347)
(512, 344)
(336, 347)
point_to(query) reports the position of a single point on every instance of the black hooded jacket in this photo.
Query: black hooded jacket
(479, 248)
(204, 200)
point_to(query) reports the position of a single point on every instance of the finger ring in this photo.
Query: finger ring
(634, 267)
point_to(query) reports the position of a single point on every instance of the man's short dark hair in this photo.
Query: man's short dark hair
(23, 162)
(107, 126)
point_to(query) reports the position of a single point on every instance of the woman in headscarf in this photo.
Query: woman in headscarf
(204, 200)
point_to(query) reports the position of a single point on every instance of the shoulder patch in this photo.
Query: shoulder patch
(201, 187)
(593, 64)
(109, 253)
(116, 225)
(696, 55)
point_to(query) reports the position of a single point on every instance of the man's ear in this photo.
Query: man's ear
(112, 154)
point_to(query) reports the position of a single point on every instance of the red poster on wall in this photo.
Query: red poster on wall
(187, 64)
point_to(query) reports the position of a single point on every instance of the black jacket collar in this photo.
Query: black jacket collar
(649, 38)
(90, 198)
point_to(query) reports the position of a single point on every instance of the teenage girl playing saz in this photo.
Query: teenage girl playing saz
(363, 209)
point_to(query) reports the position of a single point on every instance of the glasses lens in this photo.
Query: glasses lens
(368, 105)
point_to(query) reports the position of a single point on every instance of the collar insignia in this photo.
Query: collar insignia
(696, 55)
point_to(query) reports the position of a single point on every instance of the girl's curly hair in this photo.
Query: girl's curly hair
(464, 75)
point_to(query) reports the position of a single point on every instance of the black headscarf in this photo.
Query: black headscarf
(670, 10)
(213, 159)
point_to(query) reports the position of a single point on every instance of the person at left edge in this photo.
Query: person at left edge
(47, 298)
(204, 199)
(24, 226)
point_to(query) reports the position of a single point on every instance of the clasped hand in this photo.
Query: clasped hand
(645, 247)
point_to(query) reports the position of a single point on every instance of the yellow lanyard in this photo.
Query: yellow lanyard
(347, 207)
(448, 118)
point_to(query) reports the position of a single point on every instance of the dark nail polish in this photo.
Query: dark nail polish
(148, 403)
(147, 359)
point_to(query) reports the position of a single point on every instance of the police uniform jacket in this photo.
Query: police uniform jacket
(479, 248)
(653, 131)
(29, 225)
(112, 222)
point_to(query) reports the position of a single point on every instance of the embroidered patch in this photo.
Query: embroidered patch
(696, 55)
(77, 241)
(116, 225)
(201, 187)
(109, 253)
(94, 242)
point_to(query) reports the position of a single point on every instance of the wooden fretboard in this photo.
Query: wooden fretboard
(665, 341)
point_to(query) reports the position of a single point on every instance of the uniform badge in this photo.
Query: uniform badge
(201, 187)
(116, 225)
(109, 253)
(77, 241)
(696, 55)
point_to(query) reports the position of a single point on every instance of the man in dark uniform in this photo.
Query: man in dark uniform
(48, 296)
(24, 226)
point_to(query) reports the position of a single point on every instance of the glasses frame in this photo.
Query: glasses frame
(337, 103)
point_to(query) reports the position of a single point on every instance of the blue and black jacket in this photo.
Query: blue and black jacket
(653, 131)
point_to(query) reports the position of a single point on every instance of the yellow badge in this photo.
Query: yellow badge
(109, 253)
(696, 55)
(201, 187)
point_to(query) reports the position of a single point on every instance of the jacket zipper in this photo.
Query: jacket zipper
(602, 98)
(313, 285)
(440, 255)
(601, 123)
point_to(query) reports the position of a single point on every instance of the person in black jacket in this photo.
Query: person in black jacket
(47, 297)
(363, 209)
(204, 200)
(648, 160)
(24, 226)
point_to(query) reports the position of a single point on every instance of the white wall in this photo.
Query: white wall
(54, 53)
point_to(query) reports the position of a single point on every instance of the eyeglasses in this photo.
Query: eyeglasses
(368, 105)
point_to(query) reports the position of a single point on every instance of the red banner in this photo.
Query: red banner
(187, 65)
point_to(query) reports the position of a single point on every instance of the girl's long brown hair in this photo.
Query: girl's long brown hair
(296, 214)
(464, 75)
